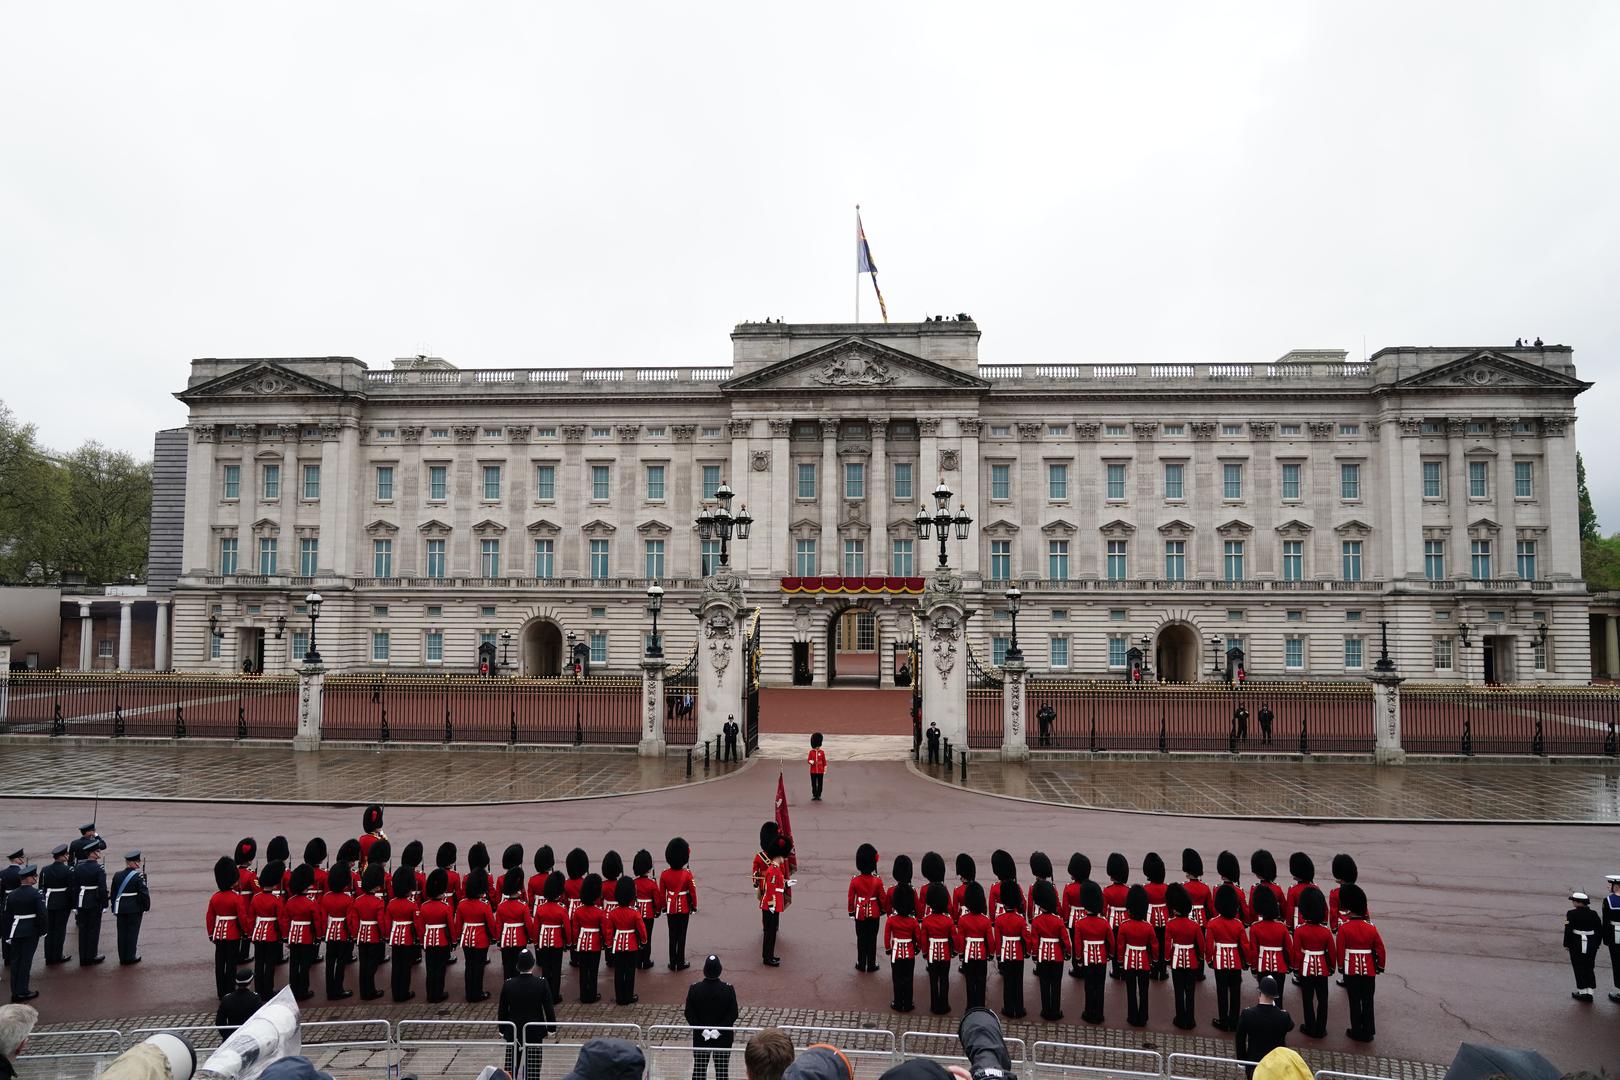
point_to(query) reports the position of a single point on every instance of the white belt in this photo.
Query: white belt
(511, 934)
(973, 948)
(84, 889)
(1130, 955)
(292, 927)
(220, 922)
(334, 921)
(939, 949)
(1313, 962)
(551, 936)
(1093, 952)
(1225, 954)
(15, 921)
(903, 950)
(1180, 953)
(48, 892)
(624, 940)
(428, 930)
(1584, 935)
(1348, 953)
(1270, 950)
(1046, 953)
(586, 941)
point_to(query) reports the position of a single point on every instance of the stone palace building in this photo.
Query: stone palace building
(1161, 512)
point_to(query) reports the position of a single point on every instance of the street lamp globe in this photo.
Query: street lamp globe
(942, 498)
(314, 601)
(923, 522)
(963, 520)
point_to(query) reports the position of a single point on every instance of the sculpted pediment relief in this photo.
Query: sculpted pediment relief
(382, 525)
(855, 364)
(1293, 529)
(489, 525)
(1118, 529)
(1353, 528)
(1487, 370)
(1001, 528)
(1176, 528)
(433, 527)
(260, 380)
(1058, 528)
(653, 528)
(1235, 527)
(598, 527)
(542, 527)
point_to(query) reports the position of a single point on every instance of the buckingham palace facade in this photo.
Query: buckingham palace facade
(1293, 508)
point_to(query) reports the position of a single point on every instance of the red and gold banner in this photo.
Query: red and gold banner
(902, 585)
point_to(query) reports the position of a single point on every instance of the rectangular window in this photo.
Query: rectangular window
(854, 480)
(654, 558)
(1538, 654)
(1442, 654)
(1057, 429)
(1117, 649)
(379, 646)
(709, 557)
(1475, 427)
(545, 559)
(601, 482)
(300, 644)
(492, 483)
(1293, 560)
(902, 480)
(655, 483)
(1290, 480)
(1057, 481)
(1479, 480)
(1058, 647)
(998, 650)
(433, 646)
(601, 433)
(1350, 560)
(1000, 431)
(1524, 480)
(233, 481)
(1434, 560)
(438, 482)
(215, 646)
(711, 432)
(1231, 429)
(489, 558)
(598, 646)
(1288, 429)
(439, 433)
(312, 481)
(711, 480)
(1294, 653)
(1175, 560)
(435, 559)
(272, 482)
(1526, 556)
(1433, 480)
(1231, 480)
(1479, 558)
(1294, 615)
(804, 558)
(807, 480)
(599, 559)
(267, 554)
(1117, 563)
(1233, 560)
(901, 563)
(309, 556)
(385, 483)
(382, 558)
(1352, 652)
(379, 611)
(1057, 560)
(854, 558)
(1349, 481)
(545, 483)
(1174, 476)
(655, 432)
(1349, 429)
(227, 555)
(1114, 431)
(1001, 560)
(1174, 430)
(546, 432)
(1001, 481)
(1116, 481)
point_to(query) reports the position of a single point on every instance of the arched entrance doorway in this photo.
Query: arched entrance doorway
(542, 648)
(854, 648)
(1176, 653)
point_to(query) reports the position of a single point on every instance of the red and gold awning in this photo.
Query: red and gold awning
(905, 586)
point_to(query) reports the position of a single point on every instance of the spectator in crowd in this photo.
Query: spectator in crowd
(236, 1006)
(293, 1068)
(609, 1059)
(526, 999)
(16, 1024)
(768, 1054)
(1264, 1026)
(820, 1062)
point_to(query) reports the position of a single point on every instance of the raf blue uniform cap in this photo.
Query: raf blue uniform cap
(59, 850)
(88, 828)
(29, 871)
(133, 856)
(18, 854)
(94, 845)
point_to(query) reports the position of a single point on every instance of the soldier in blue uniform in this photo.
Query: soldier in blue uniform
(56, 882)
(10, 878)
(21, 922)
(77, 848)
(90, 899)
(1611, 930)
(130, 901)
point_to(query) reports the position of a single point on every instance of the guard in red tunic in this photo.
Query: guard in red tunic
(399, 924)
(902, 940)
(348, 858)
(1225, 945)
(366, 919)
(1361, 958)
(445, 860)
(975, 943)
(680, 899)
(773, 900)
(1073, 910)
(1040, 868)
(587, 922)
(226, 922)
(411, 859)
(1013, 942)
(817, 760)
(544, 863)
(435, 920)
(901, 872)
(300, 921)
(514, 925)
(371, 830)
(1158, 914)
(1184, 940)
(649, 902)
(1005, 870)
(1344, 873)
(624, 932)
(474, 931)
(867, 904)
(967, 872)
(1138, 948)
(1270, 944)
(1303, 870)
(247, 884)
(577, 864)
(939, 944)
(1114, 896)
(1051, 946)
(265, 909)
(1313, 960)
(933, 872)
(1264, 867)
(1231, 873)
(336, 906)
(1093, 942)
(552, 931)
(768, 836)
(612, 871)
(314, 858)
(478, 859)
(1199, 894)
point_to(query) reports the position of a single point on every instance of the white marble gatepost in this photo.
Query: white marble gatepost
(160, 638)
(1014, 729)
(87, 631)
(652, 708)
(720, 661)
(311, 683)
(1387, 719)
(944, 656)
(6, 641)
(126, 630)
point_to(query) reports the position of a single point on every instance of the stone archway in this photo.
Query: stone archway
(1176, 652)
(854, 646)
(542, 648)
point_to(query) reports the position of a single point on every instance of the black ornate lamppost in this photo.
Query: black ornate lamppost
(506, 643)
(941, 521)
(719, 524)
(313, 603)
(1384, 664)
(655, 604)
(1013, 597)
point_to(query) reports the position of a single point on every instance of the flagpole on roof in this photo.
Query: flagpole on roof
(857, 262)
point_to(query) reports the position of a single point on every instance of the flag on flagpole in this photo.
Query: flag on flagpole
(783, 825)
(864, 263)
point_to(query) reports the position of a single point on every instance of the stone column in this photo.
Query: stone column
(160, 638)
(652, 708)
(877, 500)
(721, 663)
(311, 680)
(827, 494)
(87, 631)
(1387, 719)
(1611, 646)
(6, 641)
(1014, 744)
(944, 656)
(776, 515)
(126, 629)
(969, 426)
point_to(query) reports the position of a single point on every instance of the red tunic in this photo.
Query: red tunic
(1050, 937)
(335, 909)
(1183, 943)
(475, 924)
(318, 886)
(1092, 939)
(227, 914)
(365, 843)
(623, 930)
(1335, 916)
(1158, 914)
(773, 894)
(1114, 904)
(1137, 945)
(866, 897)
(1245, 911)
(1070, 903)
(300, 920)
(975, 936)
(1226, 944)
(1012, 937)
(1276, 890)
(551, 929)
(434, 921)
(536, 890)
(1313, 950)
(587, 923)
(1202, 897)
(610, 888)
(679, 890)
(247, 882)
(939, 938)
(649, 900)
(993, 896)
(399, 922)
(1290, 909)
(1269, 946)
(366, 919)
(571, 894)
(265, 909)
(514, 926)
(1361, 947)
(902, 937)
(818, 762)
(454, 889)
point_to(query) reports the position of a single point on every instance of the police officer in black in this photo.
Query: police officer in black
(10, 878)
(932, 734)
(56, 882)
(90, 899)
(1044, 717)
(130, 901)
(730, 730)
(22, 920)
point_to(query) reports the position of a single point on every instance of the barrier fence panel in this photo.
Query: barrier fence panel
(68, 1055)
(984, 723)
(1207, 717)
(550, 1050)
(670, 1054)
(1202, 1067)
(871, 1052)
(347, 1049)
(599, 710)
(1329, 1074)
(1510, 719)
(153, 705)
(946, 1048)
(1060, 1061)
(453, 1047)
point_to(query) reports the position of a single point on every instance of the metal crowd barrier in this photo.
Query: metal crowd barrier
(453, 1047)
(870, 1051)
(670, 1055)
(1205, 1067)
(945, 1048)
(1058, 1061)
(348, 1049)
(1329, 1074)
(550, 1050)
(47, 1057)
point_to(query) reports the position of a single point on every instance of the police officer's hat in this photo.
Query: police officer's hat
(404, 882)
(625, 892)
(590, 889)
(866, 859)
(1192, 863)
(244, 976)
(973, 898)
(933, 866)
(438, 882)
(1353, 900)
(301, 879)
(277, 850)
(545, 860)
(1136, 902)
(1613, 879)
(1300, 867)
(1119, 870)
(272, 874)
(1344, 868)
(1264, 865)
(577, 863)
(246, 849)
(1265, 904)
(1091, 897)
(1044, 896)
(901, 871)
(132, 856)
(93, 844)
(1578, 897)
(612, 866)
(512, 882)
(1002, 865)
(446, 857)
(476, 885)
(18, 854)
(375, 879)
(372, 819)
(478, 856)
(58, 851)
(1226, 901)
(1153, 867)
(555, 885)
(1312, 905)
(1079, 867)
(339, 879)
(1177, 900)
(1011, 896)
(348, 851)
(412, 855)
(966, 868)
(904, 901)
(677, 853)
(641, 862)
(1227, 865)
(315, 851)
(381, 851)
(512, 856)
(1040, 864)
(225, 873)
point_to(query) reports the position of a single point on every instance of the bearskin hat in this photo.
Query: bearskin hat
(815, 741)
(404, 882)
(590, 889)
(1011, 896)
(1264, 902)
(1079, 867)
(1091, 897)
(339, 879)
(478, 856)
(349, 851)
(1344, 869)
(1040, 864)
(625, 892)
(1228, 867)
(781, 848)
(1352, 900)
(1002, 865)
(973, 898)
(933, 866)
(1119, 870)
(545, 860)
(302, 878)
(475, 885)
(381, 852)
(1176, 899)
(1226, 902)
(938, 898)
(372, 819)
(1263, 865)
(1153, 867)
(438, 882)
(277, 850)
(555, 886)
(904, 901)
(677, 853)
(1044, 896)
(866, 859)
(446, 857)
(246, 849)
(412, 855)
(1192, 863)
(272, 874)
(966, 868)
(375, 879)
(1136, 902)
(577, 863)
(612, 866)
(902, 870)
(642, 862)
(1300, 867)
(767, 833)
(512, 882)
(512, 856)
(225, 875)
(315, 852)
(1312, 905)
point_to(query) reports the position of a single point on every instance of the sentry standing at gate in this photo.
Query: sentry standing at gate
(817, 760)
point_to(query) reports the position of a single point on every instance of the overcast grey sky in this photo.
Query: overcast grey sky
(526, 185)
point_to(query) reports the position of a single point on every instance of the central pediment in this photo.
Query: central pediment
(857, 365)
(261, 379)
(1486, 369)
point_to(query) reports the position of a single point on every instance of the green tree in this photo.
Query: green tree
(1600, 563)
(1589, 519)
(30, 501)
(106, 514)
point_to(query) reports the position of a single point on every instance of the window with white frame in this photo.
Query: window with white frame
(267, 554)
(854, 480)
(902, 487)
(1057, 481)
(379, 646)
(1175, 560)
(1000, 481)
(1115, 477)
(655, 483)
(709, 556)
(312, 482)
(1114, 431)
(599, 652)
(233, 481)
(545, 483)
(1442, 654)
(1538, 654)
(1524, 480)
(309, 556)
(382, 558)
(1288, 429)
(1232, 560)
(104, 648)
(1353, 652)
(711, 481)
(545, 558)
(599, 559)
(1174, 480)
(804, 558)
(1349, 481)
(653, 551)
(1232, 480)
(901, 563)
(545, 431)
(215, 646)
(854, 558)
(1479, 559)
(1525, 555)
(1290, 480)
(1058, 649)
(227, 555)
(1434, 560)
(601, 483)
(807, 480)
(1349, 429)
(435, 559)
(272, 482)
(489, 558)
(1350, 560)
(1057, 560)
(1117, 561)
(385, 483)
(1231, 429)
(1118, 649)
(433, 646)
(1057, 429)
(1294, 653)
(1001, 560)
(1293, 560)
(1434, 482)
(1479, 475)
(998, 649)
(300, 644)
(1174, 430)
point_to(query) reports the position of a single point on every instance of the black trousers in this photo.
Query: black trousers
(89, 934)
(22, 964)
(56, 924)
(266, 955)
(225, 961)
(975, 974)
(1136, 998)
(1313, 996)
(700, 1062)
(1614, 964)
(731, 749)
(244, 951)
(1228, 997)
(816, 780)
(509, 959)
(129, 937)
(371, 956)
(770, 920)
(303, 958)
(933, 751)
(1265, 729)
(438, 964)
(1049, 976)
(1096, 978)
(624, 976)
(677, 939)
(866, 932)
(338, 954)
(644, 957)
(1585, 965)
(400, 970)
(1359, 989)
(939, 986)
(549, 961)
(1184, 981)
(903, 972)
(1161, 966)
(473, 974)
(589, 962)
(1012, 987)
